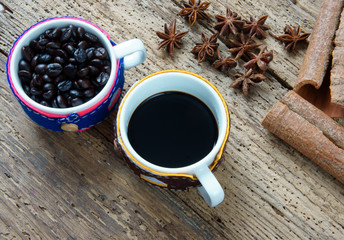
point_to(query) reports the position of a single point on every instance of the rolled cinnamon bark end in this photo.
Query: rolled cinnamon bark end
(310, 131)
(318, 53)
(337, 71)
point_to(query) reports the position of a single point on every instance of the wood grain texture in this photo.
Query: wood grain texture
(72, 186)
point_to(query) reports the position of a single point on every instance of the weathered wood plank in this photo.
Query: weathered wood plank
(51, 189)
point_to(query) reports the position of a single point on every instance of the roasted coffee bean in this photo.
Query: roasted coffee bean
(96, 62)
(54, 69)
(101, 53)
(107, 69)
(90, 37)
(47, 79)
(89, 93)
(24, 76)
(36, 81)
(93, 70)
(70, 49)
(34, 61)
(56, 33)
(42, 36)
(36, 91)
(49, 91)
(59, 60)
(61, 101)
(76, 102)
(102, 79)
(41, 68)
(90, 53)
(44, 103)
(80, 55)
(43, 41)
(107, 63)
(66, 35)
(59, 78)
(70, 71)
(83, 44)
(26, 89)
(45, 58)
(73, 30)
(83, 72)
(53, 45)
(27, 53)
(24, 65)
(74, 93)
(36, 98)
(61, 53)
(72, 61)
(84, 83)
(80, 32)
(64, 86)
(36, 47)
(47, 33)
(54, 103)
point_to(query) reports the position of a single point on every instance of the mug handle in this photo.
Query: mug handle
(132, 51)
(211, 189)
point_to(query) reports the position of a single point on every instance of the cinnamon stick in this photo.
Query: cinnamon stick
(310, 131)
(318, 53)
(337, 71)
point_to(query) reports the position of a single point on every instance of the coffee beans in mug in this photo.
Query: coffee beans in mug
(172, 129)
(64, 67)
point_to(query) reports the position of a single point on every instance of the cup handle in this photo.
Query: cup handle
(211, 189)
(132, 51)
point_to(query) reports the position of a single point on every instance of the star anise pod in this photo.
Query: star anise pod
(194, 11)
(261, 60)
(224, 63)
(244, 81)
(256, 27)
(171, 39)
(241, 47)
(291, 37)
(207, 48)
(231, 23)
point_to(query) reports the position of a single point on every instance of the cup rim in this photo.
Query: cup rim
(186, 171)
(40, 27)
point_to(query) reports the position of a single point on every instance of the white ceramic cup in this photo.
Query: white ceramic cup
(122, 56)
(175, 80)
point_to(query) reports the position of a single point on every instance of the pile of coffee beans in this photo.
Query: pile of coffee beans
(64, 67)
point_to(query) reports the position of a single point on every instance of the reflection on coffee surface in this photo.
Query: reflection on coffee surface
(172, 129)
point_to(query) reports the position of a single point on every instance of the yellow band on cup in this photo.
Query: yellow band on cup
(219, 154)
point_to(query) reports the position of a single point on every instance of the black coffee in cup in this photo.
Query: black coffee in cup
(172, 129)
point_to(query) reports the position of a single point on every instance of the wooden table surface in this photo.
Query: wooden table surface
(73, 186)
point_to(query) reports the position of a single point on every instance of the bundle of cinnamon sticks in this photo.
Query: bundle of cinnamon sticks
(302, 118)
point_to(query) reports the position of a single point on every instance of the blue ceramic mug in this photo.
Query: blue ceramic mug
(122, 56)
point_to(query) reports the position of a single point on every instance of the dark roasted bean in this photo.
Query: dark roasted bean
(41, 68)
(72, 61)
(64, 86)
(54, 69)
(61, 101)
(61, 53)
(66, 35)
(89, 93)
(35, 46)
(27, 53)
(90, 53)
(54, 103)
(56, 33)
(53, 45)
(70, 70)
(96, 62)
(47, 79)
(44, 103)
(36, 91)
(24, 65)
(24, 76)
(80, 32)
(84, 83)
(74, 93)
(36, 81)
(90, 37)
(34, 61)
(102, 79)
(45, 58)
(26, 89)
(107, 69)
(80, 55)
(83, 72)
(70, 49)
(59, 60)
(49, 91)
(76, 102)
(93, 70)
(59, 78)
(73, 30)
(82, 44)
(47, 33)
(101, 53)
(43, 41)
